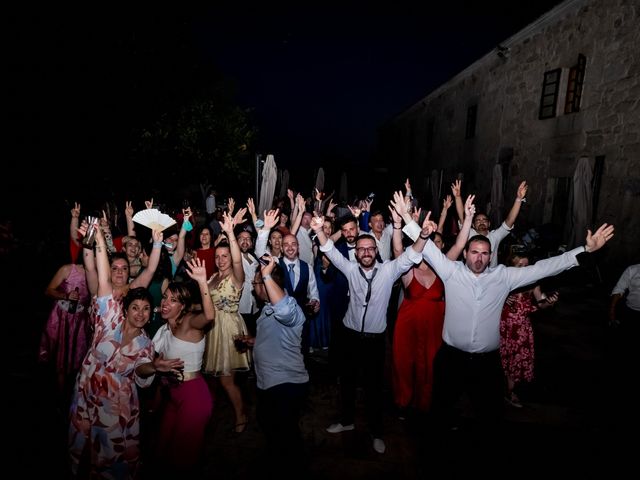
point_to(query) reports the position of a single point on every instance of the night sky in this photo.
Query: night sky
(318, 82)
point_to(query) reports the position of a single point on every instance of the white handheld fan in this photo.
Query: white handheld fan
(153, 219)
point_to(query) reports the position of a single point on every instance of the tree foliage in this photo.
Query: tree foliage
(208, 140)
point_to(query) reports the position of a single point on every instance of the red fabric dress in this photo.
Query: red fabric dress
(516, 337)
(416, 339)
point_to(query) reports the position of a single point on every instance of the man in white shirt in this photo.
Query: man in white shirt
(305, 245)
(481, 222)
(469, 359)
(629, 285)
(363, 338)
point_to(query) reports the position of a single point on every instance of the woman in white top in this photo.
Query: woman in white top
(189, 408)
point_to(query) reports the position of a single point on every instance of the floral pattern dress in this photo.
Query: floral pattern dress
(516, 337)
(105, 412)
(221, 356)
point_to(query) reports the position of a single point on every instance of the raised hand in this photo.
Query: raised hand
(316, 222)
(446, 203)
(196, 270)
(355, 211)
(469, 206)
(522, 190)
(399, 204)
(597, 240)
(148, 203)
(128, 209)
(231, 204)
(270, 218)
(456, 188)
(75, 211)
(428, 225)
(238, 218)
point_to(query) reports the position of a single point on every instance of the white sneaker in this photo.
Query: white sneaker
(378, 445)
(338, 428)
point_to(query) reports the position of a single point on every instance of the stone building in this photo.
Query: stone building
(558, 105)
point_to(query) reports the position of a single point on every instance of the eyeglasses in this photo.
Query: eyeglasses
(257, 283)
(366, 249)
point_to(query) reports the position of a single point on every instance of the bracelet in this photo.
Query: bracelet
(265, 277)
(157, 244)
(523, 199)
(424, 238)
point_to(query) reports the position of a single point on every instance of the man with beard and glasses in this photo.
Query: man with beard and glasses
(363, 343)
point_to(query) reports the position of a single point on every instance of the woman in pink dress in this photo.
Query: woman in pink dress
(516, 333)
(67, 333)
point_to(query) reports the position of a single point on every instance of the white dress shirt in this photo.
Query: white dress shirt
(247, 300)
(630, 280)
(387, 273)
(305, 245)
(474, 302)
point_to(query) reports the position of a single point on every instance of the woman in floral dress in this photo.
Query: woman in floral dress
(105, 412)
(516, 332)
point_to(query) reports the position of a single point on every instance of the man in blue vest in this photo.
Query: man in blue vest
(300, 283)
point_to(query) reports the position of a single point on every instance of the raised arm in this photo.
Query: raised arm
(517, 203)
(236, 255)
(461, 240)
(178, 255)
(74, 224)
(146, 275)
(251, 208)
(456, 190)
(299, 211)
(396, 237)
(128, 214)
(446, 204)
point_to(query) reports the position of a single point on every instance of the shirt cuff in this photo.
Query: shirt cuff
(327, 246)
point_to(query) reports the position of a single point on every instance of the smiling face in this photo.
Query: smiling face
(132, 248)
(119, 272)
(290, 247)
(245, 241)
(205, 238)
(275, 241)
(366, 252)
(223, 258)
(138, 313)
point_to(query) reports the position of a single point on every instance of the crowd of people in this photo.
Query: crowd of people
(185, 307)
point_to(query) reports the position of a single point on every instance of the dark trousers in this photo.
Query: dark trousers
(278, 411)
(362, 354)
(478, 374)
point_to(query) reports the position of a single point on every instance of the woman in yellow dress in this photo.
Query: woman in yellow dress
(221, 357)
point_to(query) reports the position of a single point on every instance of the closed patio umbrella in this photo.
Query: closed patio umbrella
(268, 185)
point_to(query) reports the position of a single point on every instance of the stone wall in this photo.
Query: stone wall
(506, 86)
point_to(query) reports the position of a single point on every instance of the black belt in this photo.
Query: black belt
(468, 355)
(364, 334)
